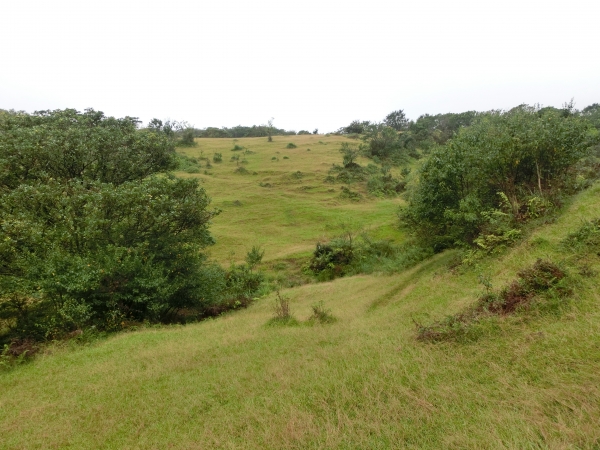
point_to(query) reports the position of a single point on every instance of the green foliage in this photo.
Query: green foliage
(291, 145)
(217, 157)
(320, 314)
(333, 259)
(67, 145)
(383, 143)
(355, 127)
(586, 238)
(491, 168)
(397, 120)
(349, 194)
(282, 314)
(89, 235)
(544, 277)
(186, 138)
(384, 184)
(350, 153)
(428, 131)
(254, 256)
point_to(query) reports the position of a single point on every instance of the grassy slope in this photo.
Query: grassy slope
(531, 381)
(289, 217)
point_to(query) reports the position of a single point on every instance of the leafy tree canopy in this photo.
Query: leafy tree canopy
(91, 231)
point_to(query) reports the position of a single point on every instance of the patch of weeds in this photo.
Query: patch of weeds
(586, 237)
(586, 271)
(321, 315)
(17, 352)
(265, 185)
(233, 203)
(241, 170)
(297, 175)
(237, 148)
(282, 314)
(217, 157)
(286, 157)
(308, 149)
(274, 158)
(291, 145)
(350, 195)
(544, 277)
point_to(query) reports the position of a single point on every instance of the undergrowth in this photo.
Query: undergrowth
(544, 280)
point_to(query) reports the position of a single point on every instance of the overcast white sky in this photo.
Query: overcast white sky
(308, 64)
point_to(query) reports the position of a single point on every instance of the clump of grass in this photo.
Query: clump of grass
(350, 195)
(282, 314)
(587, 236)
(321, 315)
(218, 157)
(291, 145)
(241, 170)
(237, 148)
(286, 157)
(542, 277)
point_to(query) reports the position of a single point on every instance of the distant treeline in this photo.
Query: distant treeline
(240, 131)
(430, 130)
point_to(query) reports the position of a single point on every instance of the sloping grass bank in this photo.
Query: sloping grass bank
(530, 380)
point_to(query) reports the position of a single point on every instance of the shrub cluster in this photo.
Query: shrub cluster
(541, 278)
(503, 169)
(346, 255)
(94, 233)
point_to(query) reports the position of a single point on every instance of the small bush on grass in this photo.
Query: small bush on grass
(218, 157)
(543, 278)
(321, 315)
(282, 314)
(350, 195)
(237, 148)
(291, 145)
(586, 237)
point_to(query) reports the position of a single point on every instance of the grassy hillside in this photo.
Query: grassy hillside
(293, 208)
(530, 380)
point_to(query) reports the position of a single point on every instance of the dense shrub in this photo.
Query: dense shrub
(89, 235)
(496, 166)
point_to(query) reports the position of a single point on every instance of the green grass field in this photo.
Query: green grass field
(530, 381)
(292, 211)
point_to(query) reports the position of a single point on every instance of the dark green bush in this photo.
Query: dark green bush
(499, 163)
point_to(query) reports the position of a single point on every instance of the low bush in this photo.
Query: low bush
(320, 314)
(291, 145)
(543, 278)
(282, 314)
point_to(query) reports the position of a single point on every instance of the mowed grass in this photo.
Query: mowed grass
(294, 208)
(531, 381)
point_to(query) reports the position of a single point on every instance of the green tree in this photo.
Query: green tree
(494, 165)
(89, 230)
(397, 120)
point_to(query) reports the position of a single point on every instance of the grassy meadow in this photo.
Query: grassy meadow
(294, 208)
(528, 381)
